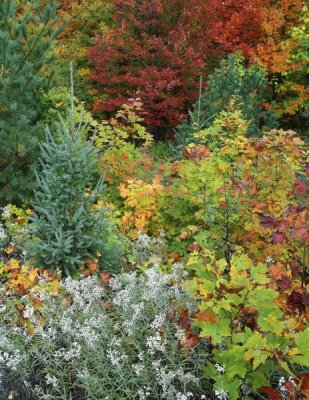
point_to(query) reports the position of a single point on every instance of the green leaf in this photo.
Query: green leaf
(270, 323)
(257, 379)
(210, 371)
(259, 358)
(303, 360)
(302, 341)
(215, 330)
(259, 273)
(233, 361)
(256, 340)
(262, 299)
(223, 382)
(285, 367)
(277, 342)
(242, 262)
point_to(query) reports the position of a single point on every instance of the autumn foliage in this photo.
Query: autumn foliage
(157, 50)
(165, 251)
(236, 209)
(152, 53)
(229, 191)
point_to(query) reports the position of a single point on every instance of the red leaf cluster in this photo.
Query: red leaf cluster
(155, 52)
(184, 323)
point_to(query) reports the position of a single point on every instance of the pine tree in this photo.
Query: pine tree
(232, 80)
(27, 31)
(67, 227)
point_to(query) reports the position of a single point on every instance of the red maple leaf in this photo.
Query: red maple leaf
(267, 221)
(279, 237)
(300, 233)
(272, 394)
(301, 188)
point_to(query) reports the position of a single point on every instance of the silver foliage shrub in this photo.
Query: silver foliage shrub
(113, 340)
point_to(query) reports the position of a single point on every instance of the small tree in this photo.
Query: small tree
(68, 228)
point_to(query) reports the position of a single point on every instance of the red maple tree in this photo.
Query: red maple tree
(156, 52)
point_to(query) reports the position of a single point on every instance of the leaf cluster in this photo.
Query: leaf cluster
(240, 314)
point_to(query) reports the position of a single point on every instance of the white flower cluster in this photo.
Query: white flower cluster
(181, 396)
(116, 357)
(9, 357)
(51, 380)
(138, 368)
(149, 249)
(133, 291)
(167, 378)
(28, 311)
(69, 354)
(3, 235)
(88, 330)
(269, 261)
(67, 324)
(84, 292)
(49, 333)
(10, 360)
(221, 395)
(6, 212)
(159, 287)
(158, 321)
(144, 393)
(181, 335)
(220, 368)
(84, 374)
(155, 343)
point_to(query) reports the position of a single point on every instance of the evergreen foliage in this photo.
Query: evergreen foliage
(68, 228)
(27, 32)
(232, 80)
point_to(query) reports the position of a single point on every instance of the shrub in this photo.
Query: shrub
(229, 190)
(141, 206)
(252, 330)
(128, 337)
(122, 142)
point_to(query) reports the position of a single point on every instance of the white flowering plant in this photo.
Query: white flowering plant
(146, 251)
(117, 338)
